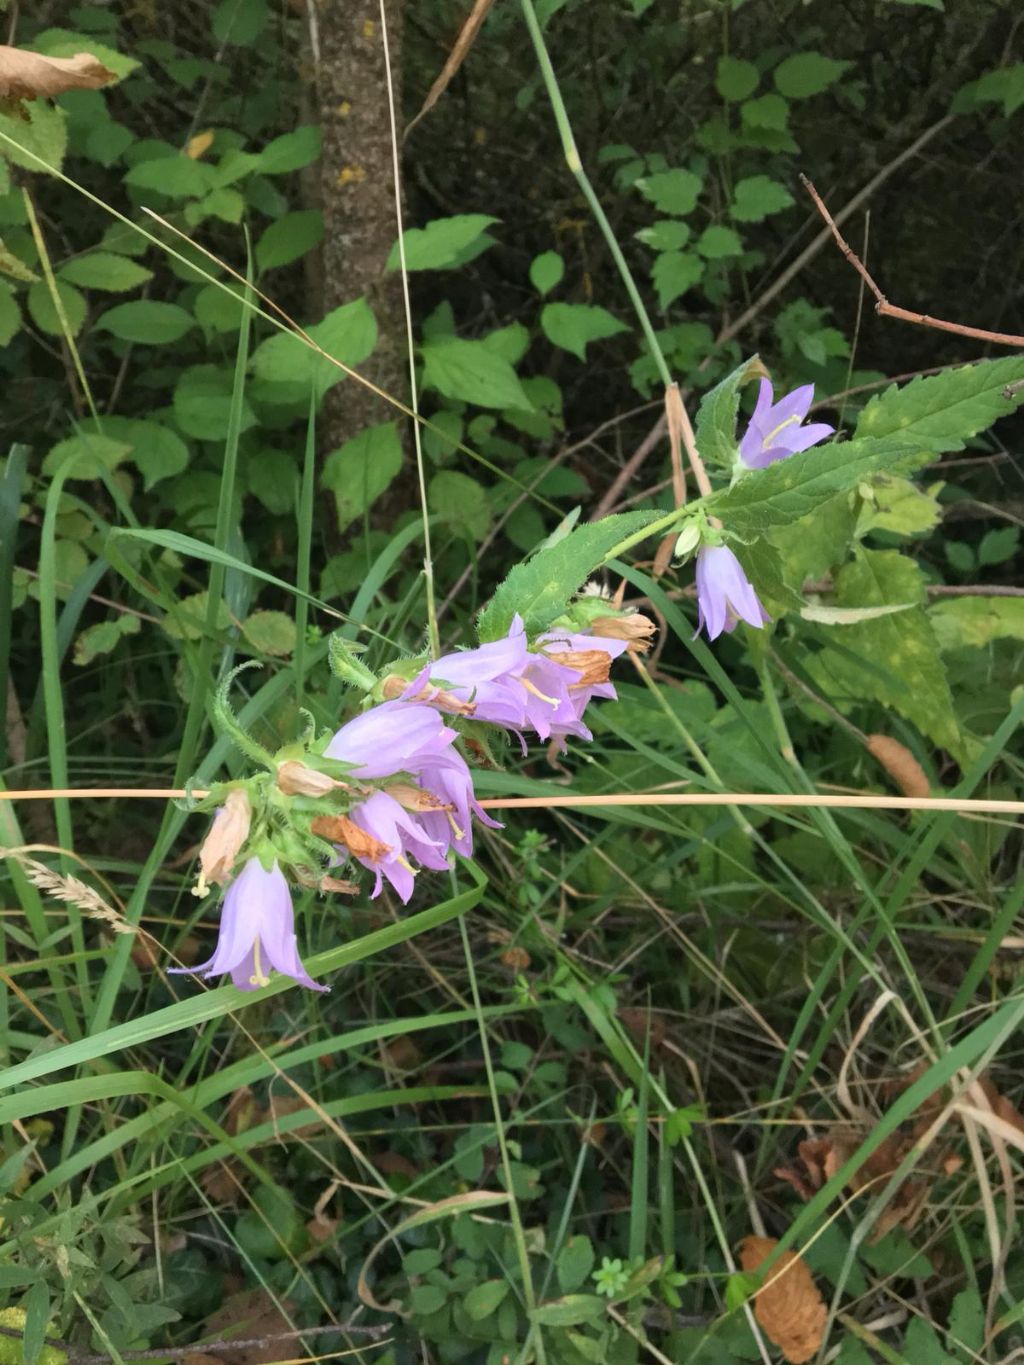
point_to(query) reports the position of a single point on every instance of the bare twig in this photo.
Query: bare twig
(625, 474)
(458, 54)
(890, 310)
(207, 1347)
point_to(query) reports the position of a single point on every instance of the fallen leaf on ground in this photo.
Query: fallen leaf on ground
(789, 1308)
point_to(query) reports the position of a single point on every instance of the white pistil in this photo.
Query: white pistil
(781, 427)
(451, 820)
(535, 691)
(258, 978)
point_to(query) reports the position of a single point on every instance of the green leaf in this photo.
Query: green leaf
(14, 266)
(225, 204)
(270, 475)
(998, 546)
(175, 177)
(146, 322)
(977, 621)
(61, 42)
(569, 1311)
(1005, 87)
(157, 452)
(289, 238)
(574, 1263)
(718, 242)
(770, 111)
(427, 1298)
(44, 313)
(473, 372)
(189, 619)
(807, 73)
(898, 506)
(95, 454)
(667, 235)
(546, 270)
(485, 1299)
(348, 333)
(674, 191)
(42, 133)
(10, 315)
(540, 588)
(758, 196)
(922, 1343)
(943, 411)
(270, 632)
(273, 1227)
(442, 242)
(240, 22)
(573, 325)
(104, 638)
(421, 1261)
(362, 469)
(893, 659)
(290, 152)
(461, 502)
(202, 403)
(715, 430)
(220, 309)
(967, 1324)
(794, 487)
(735, 79)
(104, 270)
(673, 273)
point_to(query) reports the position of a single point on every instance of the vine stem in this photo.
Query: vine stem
(572, 159)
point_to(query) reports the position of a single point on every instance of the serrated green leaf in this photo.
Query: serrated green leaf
(362, 469)
(807, 73)
(716, 243)
(202, 403)
(105, 270)
(898, 506)
(895, 659)
(794, 487)
(175, 177)
(967, 1324)
(62, 42)
(472, 372)
(769, 111)
(44, 312)
(485, 1299)
(977, 621)
(104, 638)
(715, 430)
(146, 322)
(756, 197)
(442, 243)
(14, 266)
(92, 454)
(41, 134)
(157, 452)
(539, 589)
(667, 235)
(572, 326)
(348, 333)
(189, 619)
(941, 412)
(546, 270)
(461, 502)
(270, 632)
(569, 1311)
(735, 79)
(998, 546)
(675, 191)
(673, 273)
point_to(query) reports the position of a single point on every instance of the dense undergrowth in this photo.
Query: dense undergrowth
(551, 1102)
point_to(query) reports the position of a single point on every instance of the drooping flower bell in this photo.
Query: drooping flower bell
(775, 429)
(725, 594)
(257, 932)
(590, 657)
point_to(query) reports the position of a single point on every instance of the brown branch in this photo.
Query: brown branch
(205, 1347)
(890, 310)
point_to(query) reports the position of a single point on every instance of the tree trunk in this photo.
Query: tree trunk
(359, 199)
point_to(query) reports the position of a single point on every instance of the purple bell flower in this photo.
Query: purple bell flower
(589, 657)
(775, 429)
(257, 931)
(393, 737)
(724, 593)
(394, 835)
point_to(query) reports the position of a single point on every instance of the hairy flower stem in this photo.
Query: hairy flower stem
(572, 159)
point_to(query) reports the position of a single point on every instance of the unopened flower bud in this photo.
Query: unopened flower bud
(689, 539)
(636, 629)
(395, 686)
(295, 779)
(228, 833)
(414, 798)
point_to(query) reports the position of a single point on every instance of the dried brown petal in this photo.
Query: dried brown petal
(339, 829)
(900, 764)
(516, 959)
(637, 628)
(228, 833)
(27, 75)
(593, 665)
(789, 1308)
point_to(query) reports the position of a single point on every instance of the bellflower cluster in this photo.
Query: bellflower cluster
(775, 431)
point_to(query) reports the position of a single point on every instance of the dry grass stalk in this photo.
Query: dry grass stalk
(70, 890)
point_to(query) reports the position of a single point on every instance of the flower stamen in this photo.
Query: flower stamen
(259, 977)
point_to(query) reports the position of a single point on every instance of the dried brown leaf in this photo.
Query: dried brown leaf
(29, 75)
(900, 764)
(789, 1309)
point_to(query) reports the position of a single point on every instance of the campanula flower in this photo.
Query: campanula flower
(393, 737)
(257, 932)
(590, 658)
(391, 836)
(724, 593)
(775, 429)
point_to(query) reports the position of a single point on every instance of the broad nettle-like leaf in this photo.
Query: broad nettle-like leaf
(572, 326)
(891, 659)
(442, 243)
(539, 589)
(976, 621)
(360, 471)
(715, 430)
(942, 411)
(348, 334)
(472, 372)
